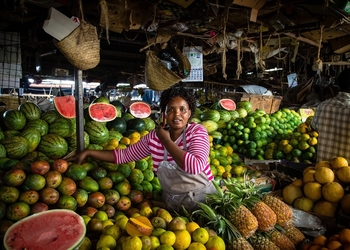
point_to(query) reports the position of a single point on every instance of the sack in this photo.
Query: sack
(81, 47)
(158, 77)
(181, 188)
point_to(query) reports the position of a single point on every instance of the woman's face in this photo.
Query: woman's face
(177, 113)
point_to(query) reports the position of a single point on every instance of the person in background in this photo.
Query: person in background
(332, 122)
(179, 150)
(147, 95)
(254, 89)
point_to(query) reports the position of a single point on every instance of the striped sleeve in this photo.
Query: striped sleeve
(198, 147)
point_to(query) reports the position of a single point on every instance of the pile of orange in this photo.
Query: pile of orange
(341, 240)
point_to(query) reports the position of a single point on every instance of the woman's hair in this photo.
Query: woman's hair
(172, 92)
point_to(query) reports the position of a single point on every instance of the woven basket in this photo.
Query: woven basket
(158, 77)
(81, 47)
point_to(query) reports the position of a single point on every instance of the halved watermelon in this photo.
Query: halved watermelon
(52, 229)
(65, 105)
(227, 104)
(140, 109)
(103, 112)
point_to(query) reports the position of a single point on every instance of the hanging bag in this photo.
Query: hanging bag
(82, 46)
(158, 77)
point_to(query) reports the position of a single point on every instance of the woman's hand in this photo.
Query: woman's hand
(163, 133)
(79, 158)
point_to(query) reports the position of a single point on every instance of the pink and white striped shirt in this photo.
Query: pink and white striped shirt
(195, 159)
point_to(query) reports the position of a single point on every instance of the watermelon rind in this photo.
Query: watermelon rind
(140, 109)
(58, 229)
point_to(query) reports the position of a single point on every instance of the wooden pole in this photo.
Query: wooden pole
(79, 109)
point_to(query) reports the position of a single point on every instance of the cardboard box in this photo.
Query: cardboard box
(340, 45)
(269, 104)
(305, 113)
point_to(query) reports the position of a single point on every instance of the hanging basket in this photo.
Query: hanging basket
(81, 47)
(158, 77)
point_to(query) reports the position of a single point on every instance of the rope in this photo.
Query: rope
(104, 12)
(239, 59)
(261, 63)
(223, 59)
(318, 62)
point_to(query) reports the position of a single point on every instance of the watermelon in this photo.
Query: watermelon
(72, 141)
(97, 131)
(2, 135)
(101, 99)
(30, 110)
(119, 104)
(150, 124)
(227, 104)
(225, 115)
(140, 109)
(38, 124)
(210, 114)
(58, 229)
(33, 137)
(137, 124)
(50, 116)
(247, 105)
(16, 147)
(53, 146)
(115, 134)
(103, 112)
(65, 105)
(10, 133)
(14, 119)
(118, 124)
(2, 151)
(61, 126)
(210, 126)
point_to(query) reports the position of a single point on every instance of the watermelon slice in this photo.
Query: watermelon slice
(140, 109)
(103, 112)
(65, 105)
(227, 104)
(52, 229)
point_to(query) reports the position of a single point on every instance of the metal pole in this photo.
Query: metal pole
(79, 109)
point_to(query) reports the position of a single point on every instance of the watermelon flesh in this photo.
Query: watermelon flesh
(140, 109)
(52, 229)
(102, 112)
(65, 105)
(227, 104)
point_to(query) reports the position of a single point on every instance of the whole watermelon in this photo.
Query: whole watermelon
(137, 124)
(54, 146)
(61, 126)
(38, 124)
(50, 116)
(118, 124)
(14, 119)
(16, 147)
(30, 110)
(72, 141)
(97, 131)
(2, 151)
(33, 137)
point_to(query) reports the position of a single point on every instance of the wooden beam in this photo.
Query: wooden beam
(302, 39)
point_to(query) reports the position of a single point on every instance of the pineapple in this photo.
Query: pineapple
(260, 242)
(282, 210)
(239, 244)
(281, 240)
(265, 215)
(231, 207)
(294, 234)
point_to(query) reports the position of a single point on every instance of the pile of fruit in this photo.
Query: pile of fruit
(322, 188)
(257, 135)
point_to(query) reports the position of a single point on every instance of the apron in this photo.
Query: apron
(180, 188)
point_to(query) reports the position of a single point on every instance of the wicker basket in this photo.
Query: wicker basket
(158, 77)
(81, 47)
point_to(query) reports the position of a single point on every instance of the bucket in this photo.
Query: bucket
(58, 25)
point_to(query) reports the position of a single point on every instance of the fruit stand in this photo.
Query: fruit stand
(263, 164)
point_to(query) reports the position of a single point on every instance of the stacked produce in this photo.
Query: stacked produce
(322, 188)
(257, 135)
(249, 219)
(338, 240)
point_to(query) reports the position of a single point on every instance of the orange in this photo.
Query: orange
(183, 239)
(333, 237)
(307, 246)
(334, 245)
(168, 238)
(323, 164)
(343, 174)
(332, 192)
(338, 162)
(323, 175)
(320, 240)
(314, 247)
(191, 226)
(344, 236)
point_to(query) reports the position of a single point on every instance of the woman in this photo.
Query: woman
(179, 150)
